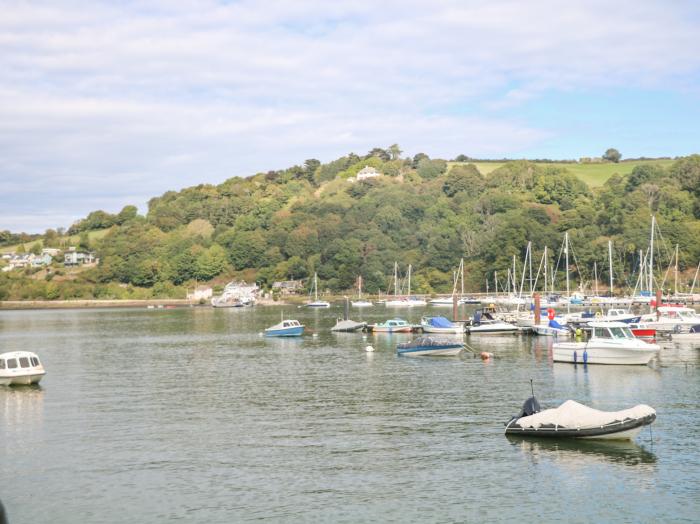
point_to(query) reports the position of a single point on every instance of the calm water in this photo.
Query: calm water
(189, 414)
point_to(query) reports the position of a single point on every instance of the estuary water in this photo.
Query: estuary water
(191, 415)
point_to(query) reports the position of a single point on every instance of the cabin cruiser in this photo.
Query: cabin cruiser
(574, 420)
(394, 325)
(667, 318)
(484, 322)
(423, 346)
(691, 334)
(609, 343)
(285, 328)
(440, 325)
(20, 368)
(405, 302)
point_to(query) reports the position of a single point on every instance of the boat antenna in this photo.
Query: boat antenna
(532, 388)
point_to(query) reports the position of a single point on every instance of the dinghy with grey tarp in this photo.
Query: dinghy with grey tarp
(574, 420)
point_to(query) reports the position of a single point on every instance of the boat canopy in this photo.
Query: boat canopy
(440, 322)
(556, 325)
(571, 414)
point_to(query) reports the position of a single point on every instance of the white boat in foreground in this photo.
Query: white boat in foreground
(20, 368)
(609, 343)
(574, 420)
(424, 346)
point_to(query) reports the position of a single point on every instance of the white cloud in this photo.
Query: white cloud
(107, 104)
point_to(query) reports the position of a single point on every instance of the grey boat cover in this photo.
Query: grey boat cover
(572, 415)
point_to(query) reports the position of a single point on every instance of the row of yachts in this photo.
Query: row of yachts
(615, 336)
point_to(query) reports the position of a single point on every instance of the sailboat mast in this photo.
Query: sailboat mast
(396, 279)
(651, 257)
(545, 270)
(529, 250)
(461, 264)
(610, 264)
(409, 280)
(315, 287)
(515, 284)
(692, 288)
(595, 276)
(675, 271)
(566, 252)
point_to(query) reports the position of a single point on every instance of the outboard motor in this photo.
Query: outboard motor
(530, 407)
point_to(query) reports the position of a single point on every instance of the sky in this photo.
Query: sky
(105, 104)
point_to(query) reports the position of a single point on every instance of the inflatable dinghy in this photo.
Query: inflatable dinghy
(574, 420)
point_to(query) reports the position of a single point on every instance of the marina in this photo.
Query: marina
(219, 412)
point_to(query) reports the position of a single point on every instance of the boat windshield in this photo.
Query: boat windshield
(35, 361)
(11, 363)
(2, 363)
(621, 332)
(687, 315)
(601, 333)
(24, 362)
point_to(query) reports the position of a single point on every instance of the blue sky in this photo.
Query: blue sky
(106, 104)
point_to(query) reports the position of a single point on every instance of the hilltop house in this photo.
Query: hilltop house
(79, 258)
(288, 287)
(367, 172)
(26, 260)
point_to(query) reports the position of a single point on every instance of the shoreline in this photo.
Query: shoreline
(14, 305)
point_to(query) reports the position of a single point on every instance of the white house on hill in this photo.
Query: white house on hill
(367, 172)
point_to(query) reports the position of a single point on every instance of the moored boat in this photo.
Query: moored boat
(691, 335)
(574, 420)
(440, 325)
(285, 328)
(423, 346)
(316, 302)
(484, 323)
(394, 325)
(20, 368)
(348, 326)
(609, 343)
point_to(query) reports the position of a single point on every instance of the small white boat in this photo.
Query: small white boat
(442, 302)
(394, 325)
(484, 323)
(670, 318)
(551, 329)
(609, 343)
(691, 335)
(20, 368)
(423, 346)
(360, 302)
(574, 420)
(440, 325)
(316, 302)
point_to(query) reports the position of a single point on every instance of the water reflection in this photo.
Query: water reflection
(21, 413)
(581, 453)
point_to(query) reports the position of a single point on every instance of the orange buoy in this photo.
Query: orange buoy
(551, 314)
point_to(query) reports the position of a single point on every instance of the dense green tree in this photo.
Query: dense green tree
(612, 155)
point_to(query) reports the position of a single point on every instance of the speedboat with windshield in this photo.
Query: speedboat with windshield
(20, 368)
(608, 343)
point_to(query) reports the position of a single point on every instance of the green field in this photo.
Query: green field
(67, 241)
(594, 175)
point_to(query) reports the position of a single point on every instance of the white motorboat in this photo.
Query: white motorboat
(20, 368)
(551, 329)
(574, 420)
(440, 325)
(691, 335)
(670, 318)
(442, 302)
(348, 326)
(484, 323)
(609, 343)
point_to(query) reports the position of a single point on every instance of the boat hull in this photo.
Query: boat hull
(319, 304)
(447, 351)
(621, 430)
(499, 328)
(21, 380)
(456, 330)
(582, 353)
(361, 303)
(285, 332)
(400, 329)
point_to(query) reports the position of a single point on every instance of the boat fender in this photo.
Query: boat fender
(369, 349)
(585, 356)
(598, 314)
(550, 314)
(486, 355)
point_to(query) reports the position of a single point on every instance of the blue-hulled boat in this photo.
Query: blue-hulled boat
(286, 328)
(423, 346)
